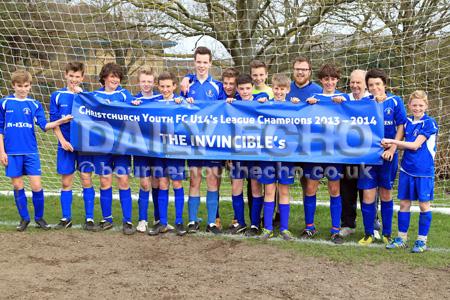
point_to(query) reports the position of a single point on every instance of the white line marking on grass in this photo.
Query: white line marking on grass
(118, 228)
(313, 241)
(414, 208)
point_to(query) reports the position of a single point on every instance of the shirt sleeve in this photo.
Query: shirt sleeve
(399, 112)
(429, 128)
(41, 121)
(191, 77)
(54, 108)
(2, 118)
(128, 96)
(222, 93)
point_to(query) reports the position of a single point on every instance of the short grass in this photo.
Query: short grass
(439, 237)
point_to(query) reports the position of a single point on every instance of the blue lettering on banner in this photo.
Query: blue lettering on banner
(349, 132)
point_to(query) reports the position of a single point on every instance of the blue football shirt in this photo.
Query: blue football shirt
(17, 118)
(209, 89)
(420, 162)
(305, 92)
(119, 95)
(394, 114)
(61, 103)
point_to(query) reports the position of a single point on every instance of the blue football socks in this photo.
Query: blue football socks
(89, 198)
(66, 204)
(127, 204)
(38, 203)
(179, 205)
(106, 204)
(21, 204)
(143, 204)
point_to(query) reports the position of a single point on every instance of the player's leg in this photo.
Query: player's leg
(249, 198)
(159, 169)
(38, 201)
(425, 191)
(143, 200)
(387, 212)
(386, 183)
(20, 199)
(349, 195)
(335, 210)
(285, 209)
(32, 167)
(334, 174)
(368, 211)
(255, 173)
(89, 200)
(312, 173)
(237, 175)
(310, 207)
(126, 203)
(106, 201)
(368, 182)
(269, 208)
(195, 180)
(66, 198)
(142, 168)
(425, 217)
(122, 168)
(85, 165)
(212, 198)
(14, 170)
(257, 205)
(163, 205)
(155, 191)
(219, 179)
(404, 217)
(178, 192)
(104, 169)
(285, 176)
(177, 174)
(66, 166)
(268, 178)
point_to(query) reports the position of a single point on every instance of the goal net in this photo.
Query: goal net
(409, 39)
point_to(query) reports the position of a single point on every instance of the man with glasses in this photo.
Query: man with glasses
(302, 87)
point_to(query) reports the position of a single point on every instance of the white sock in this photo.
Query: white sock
(422, 238)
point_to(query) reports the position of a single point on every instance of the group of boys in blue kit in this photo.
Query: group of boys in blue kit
(269, 187)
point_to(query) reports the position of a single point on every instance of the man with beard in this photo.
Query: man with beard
(301, 89)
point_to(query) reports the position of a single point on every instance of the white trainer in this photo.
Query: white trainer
(142, 226)
(376, 235)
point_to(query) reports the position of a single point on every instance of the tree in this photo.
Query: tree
(254, 29)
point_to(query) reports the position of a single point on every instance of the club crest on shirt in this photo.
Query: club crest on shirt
(26, 111)
(209, 93)
(416, 132)
(388, 111)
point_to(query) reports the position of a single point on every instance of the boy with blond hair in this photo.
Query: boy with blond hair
(277, 176)
(18, 146)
